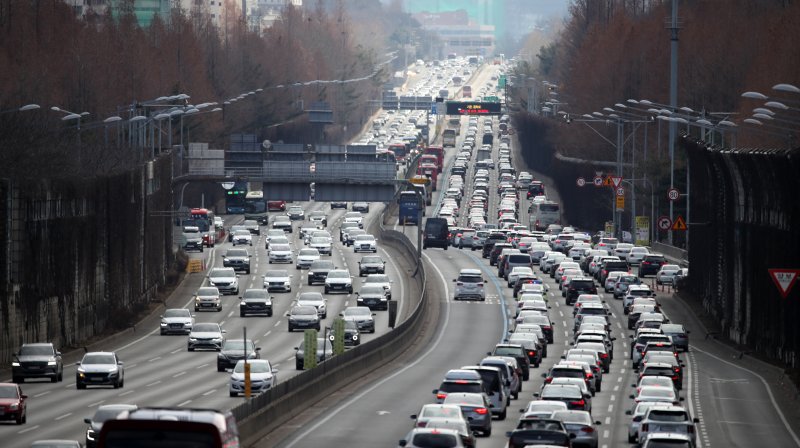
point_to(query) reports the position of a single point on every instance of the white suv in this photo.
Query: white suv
(225, 279)
(470, 285)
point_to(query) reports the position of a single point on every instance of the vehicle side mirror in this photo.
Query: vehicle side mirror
(87, 420)
(536, 394)
(434, 391)
(413, 416)
(696, 420)
(258, 349)
(633, 385)
(681, 399)
(632, 396)
(402, 442)
(287, 314)
(508, 434)
(628, 412)
(119, 363)
(454, 280)
(296, 348)
(224, 331)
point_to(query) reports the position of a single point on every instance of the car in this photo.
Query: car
(636, 255)
(338, 204)
(381, 280)
(177, 320)
(460, 426)
(324, 351)
(252, 226)
(283, 223)
(192, 238)
(351, 234)
(365, 243)
(651, 264)
(666, 275)
(494, 384)
(100, 369)
(303, 317)
(255, 301)
(362, 316)
(318, 271)
(678, 334)
(55, 443)
(206, 335)
(470, 285)
(262, 377)
(432, 437)
(373, 296)
(568, 393)
(362, 207)
(242, 237)
(517, 352)
(207, 298)
(476, 408)
(154, 427)
(272, 235)
(637, 414)
(13, 403)
(354, 217)
(582, 430)
(352, 337)
(296, 213)
(315, 299)
(322, 244)
(278, 280)
(623, 282)
(234, 350)
(306, 257)
(437, 411)
(238, 259)
(224, 279)
(545, 432)
(338, 280)
(280, 253)
(371, 264)
(37, 360)
(656, 393)
(276, 206)
(319, 218)
(102, 414)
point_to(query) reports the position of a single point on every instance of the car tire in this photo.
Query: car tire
(18, 380)
(327, 291)
(79, 385)
(54, 379)
(445, 247)
(598, 388)
(242, 314)
(122, 383)
(270, 261)
(502, 415)
(298, 365)
(487, 433)
(60, 376)
(220, 368)
(631, 439)
(291, 329)
(191, 349)
(318, 328)
(350, 290)
(234, 394)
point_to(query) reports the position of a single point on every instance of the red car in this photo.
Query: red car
(12, 403)
(276, 206)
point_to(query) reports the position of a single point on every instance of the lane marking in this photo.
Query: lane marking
(184, 403)
(32, 428)
(41, 394)
(179, 374)
(96, 403)
(154, 359)
(61, 417)
(126, 393)
(209, 392)
(153, 383)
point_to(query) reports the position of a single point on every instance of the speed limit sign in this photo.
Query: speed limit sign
(673, 194)
(580, 182)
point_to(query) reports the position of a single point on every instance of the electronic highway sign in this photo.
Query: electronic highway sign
(473, 108)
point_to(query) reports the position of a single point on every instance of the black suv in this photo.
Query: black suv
(578, 286)
(261, 218)
(318, 271)
(612, 266)
(234, 350)
(238, 259)
(255, 301)
(651, 264)
(490, 241)
(517, 352)
(39, 360)
(496, 249)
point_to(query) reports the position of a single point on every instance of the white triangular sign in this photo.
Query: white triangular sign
(617, 180)
(784, 279)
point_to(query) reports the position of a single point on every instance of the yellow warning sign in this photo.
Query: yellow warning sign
(679, 223)
(194, 265)
(620, 203)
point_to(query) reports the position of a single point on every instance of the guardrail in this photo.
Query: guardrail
(260, 415)
(675, 253)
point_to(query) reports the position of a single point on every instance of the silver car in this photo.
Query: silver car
(262, 377)
(579, 424)
(100, 369)
(207, 298)
(362, 316)
(470, 285)
(206, 335)
(278, 280)
(177, 320)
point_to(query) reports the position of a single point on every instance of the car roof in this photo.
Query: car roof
(470, 272)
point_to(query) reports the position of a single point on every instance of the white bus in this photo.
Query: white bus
(542, 214)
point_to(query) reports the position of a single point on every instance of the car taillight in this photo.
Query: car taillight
(675, 378)
(690, 428)
(480, 285)
(578, 403)
(546, 328)
(422, 424)
(548, 380)
(587, 429)
(677, 369)
(481, 411)
(531, 353)
(589, 376)
(441, 395)
(604, 355)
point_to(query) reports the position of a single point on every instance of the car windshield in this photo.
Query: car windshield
(208, 292)
(103, 414)
(177, 313)
(301, 310)
(237, 345)
(437, 411)
(358, 311)
(98, 359)
(36, 350)
(668, 444)
(573, 417)
(280, 248)
(236, 253)
(561, 391)
(655, 391)
(320, 240)
(338, 274)
(372, 289)
(295, 209)
(241, 233)
(217, 273)
(256, 366)
(377, 278)
(309, 252)
(276, 274)
(372, 260)
(255, 294)
(206, 328)
(434, 440)
(8, 392)
(322, 264)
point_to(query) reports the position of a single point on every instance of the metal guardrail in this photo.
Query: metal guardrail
(262, 414)
(675, 253)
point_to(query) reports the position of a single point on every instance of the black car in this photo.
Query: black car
(261, 218)
(338, 204)
(612, 266)
(238, 259)
(255, 301)
(352, 337)
(234, 350)
(318, 271)
(517, 352)
(498, 247)
(490, 241)
(578, 286)
(102, 414)
(651, 264)
(539, 431)
(536, 188)
(436, 233)
(40, 360)
(371, 264)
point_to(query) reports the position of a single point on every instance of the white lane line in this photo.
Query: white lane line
(267, 333)
(174, 351)
(616, 388)
(230, 314)
(32, 428)
(619, 325)
(605, 434)
(41, 394)
(610, 409)
(608, 419)
(126, 393)
(179, 374)
(613, 398)
(154, 359)
(621, 371)
(222, 323)
(277, 323)
(61, 417)
(184, 403)
(96, 403)
(205, 394)
(153, 383)
(201, 366)
(290, 358)
(413, 364)
(619, 380)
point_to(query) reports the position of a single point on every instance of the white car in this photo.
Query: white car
(100, 369)
(516, 272)
(274, 233)
(305, 257)
(242, 237)
(365, 243)
(315, 299)
(666, 275)
(178, 320)
(280, 253)
(355, 217)
(636, 254)
(225, 279)
(380, 280)
(278, 280)
(339, 280)
(262, 377)
(321, 244)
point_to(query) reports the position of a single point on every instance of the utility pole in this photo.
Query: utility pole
(673, 101)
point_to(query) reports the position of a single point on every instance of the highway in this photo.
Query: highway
(159, 371)
(734, 405)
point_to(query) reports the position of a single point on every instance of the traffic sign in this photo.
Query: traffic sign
(620, 191)
(784, 279)
(598, 181)
(673, 194)
(679, 223)
(620, 203)
(580, 182)
(664, 223)
(616, 180)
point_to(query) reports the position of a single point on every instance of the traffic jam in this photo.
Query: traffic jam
(572, 298)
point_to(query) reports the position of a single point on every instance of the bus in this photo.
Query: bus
(400, 151)
(449, 138)
(386, 155)
(254, 202)
(542, 214)
(409, 206)
(425, 182)
(437, 151)
(466, 92)
(429, 170)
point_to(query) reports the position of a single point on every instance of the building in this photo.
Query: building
(458, 33)
(262, 14)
